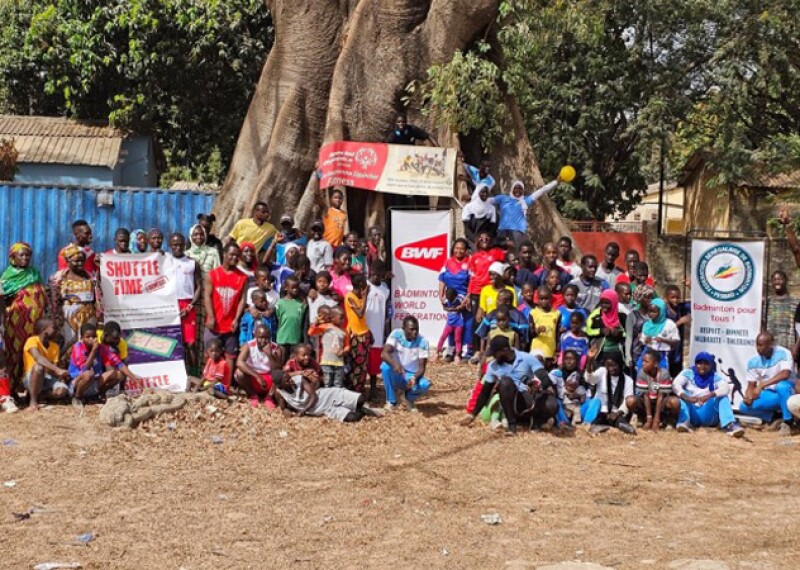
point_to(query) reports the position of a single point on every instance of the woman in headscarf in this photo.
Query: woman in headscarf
(611, 387)
(206, 256)
(74, 297)
(24, 300)
(139, 241)
(606, 326)
(513, 209)
(704, 398)
(659, 333)
(634, 323)
(207, 223)
(479, 215)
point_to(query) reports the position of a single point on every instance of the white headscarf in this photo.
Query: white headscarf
(523, 204)
(479, 208)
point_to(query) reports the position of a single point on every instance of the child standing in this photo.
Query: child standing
(216, 373)
(659, 333)
(265, 283)
(575, 340)
(335, 219)
(377, 315)
(355, 306)
(569, 307)
(290, 312)
(679, 312)
(545, 328)
(334, 347)
(455, 322)
(259, 313)
(501, 327)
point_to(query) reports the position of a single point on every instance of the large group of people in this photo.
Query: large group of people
(300, 320)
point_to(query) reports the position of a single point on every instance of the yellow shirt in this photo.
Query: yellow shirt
(334, 222)
(544, 343)
(121, 349)
(248, 230)
(488, 299)
(50, 353)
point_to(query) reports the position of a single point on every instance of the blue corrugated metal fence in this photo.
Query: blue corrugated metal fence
(43, 216)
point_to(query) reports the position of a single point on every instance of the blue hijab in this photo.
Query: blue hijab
(705, 381)
(653, 327)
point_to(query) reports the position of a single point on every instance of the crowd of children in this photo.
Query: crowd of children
(301, 321)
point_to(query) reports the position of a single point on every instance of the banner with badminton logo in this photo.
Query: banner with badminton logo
(727, 293)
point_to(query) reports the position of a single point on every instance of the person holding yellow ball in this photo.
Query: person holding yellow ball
(513, 208)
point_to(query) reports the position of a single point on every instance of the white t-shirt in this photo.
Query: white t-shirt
(272, 297)
(256, 359)
(572, 268)
(760, 368)
(376, 312)
(182, 270)
(408, 353)
(670, 332)
(320, 254)
(598, 378)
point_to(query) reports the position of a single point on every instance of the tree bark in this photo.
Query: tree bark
(337, 71)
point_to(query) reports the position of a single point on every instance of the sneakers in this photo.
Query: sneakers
(8, 405)
(733, 429)
(785, 429)
(684, 427)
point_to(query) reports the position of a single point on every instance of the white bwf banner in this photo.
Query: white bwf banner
(727, 292)
(420, 246)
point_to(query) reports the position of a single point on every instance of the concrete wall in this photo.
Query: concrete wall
(64, 174)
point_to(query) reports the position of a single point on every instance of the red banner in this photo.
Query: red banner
(395, 169)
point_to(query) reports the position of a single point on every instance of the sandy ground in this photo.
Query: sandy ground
(405, 491)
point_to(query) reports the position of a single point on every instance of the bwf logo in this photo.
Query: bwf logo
(428, 253)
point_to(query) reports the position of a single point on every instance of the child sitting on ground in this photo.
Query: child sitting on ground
(654, 402)
(216, 373)
(568, 380)
(93, 367)
(455, 323)
(302, 365)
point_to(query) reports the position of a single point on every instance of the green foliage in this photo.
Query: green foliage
(620, 88)
(463, 95)
(181, 69)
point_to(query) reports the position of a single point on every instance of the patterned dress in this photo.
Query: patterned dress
(23, 309)
(73, 302)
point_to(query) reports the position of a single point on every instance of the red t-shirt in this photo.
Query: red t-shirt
(217, 372)
(227, 288)
(625, 278)
(479, 264)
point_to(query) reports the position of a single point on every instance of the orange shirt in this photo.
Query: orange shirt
(334, 221)
(355, 324)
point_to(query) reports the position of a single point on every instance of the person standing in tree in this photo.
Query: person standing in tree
(335, 219)
(403, 133)
(477, 176)
(513, 209)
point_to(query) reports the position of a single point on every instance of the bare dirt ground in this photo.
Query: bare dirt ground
(405, 491)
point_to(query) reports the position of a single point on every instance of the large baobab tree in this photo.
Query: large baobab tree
(338, 71)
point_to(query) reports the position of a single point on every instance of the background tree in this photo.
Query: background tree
(182, 70)
(8, 159)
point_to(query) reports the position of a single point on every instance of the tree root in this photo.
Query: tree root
(127, 411)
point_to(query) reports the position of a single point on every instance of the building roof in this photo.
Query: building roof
(56, 140)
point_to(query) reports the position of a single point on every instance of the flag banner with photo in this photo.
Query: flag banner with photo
(141, 297)
(420, 242)
(395, 169)
(727, 293)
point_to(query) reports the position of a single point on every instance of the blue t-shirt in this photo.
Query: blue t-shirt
(454, 318)
(566, 315)
(511, 214)
(579, 344)
(520, 371)
(458, 281)
(475, 176)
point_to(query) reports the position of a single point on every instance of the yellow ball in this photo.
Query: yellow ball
(567, 173)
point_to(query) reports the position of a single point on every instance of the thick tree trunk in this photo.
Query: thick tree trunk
(337, 71)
